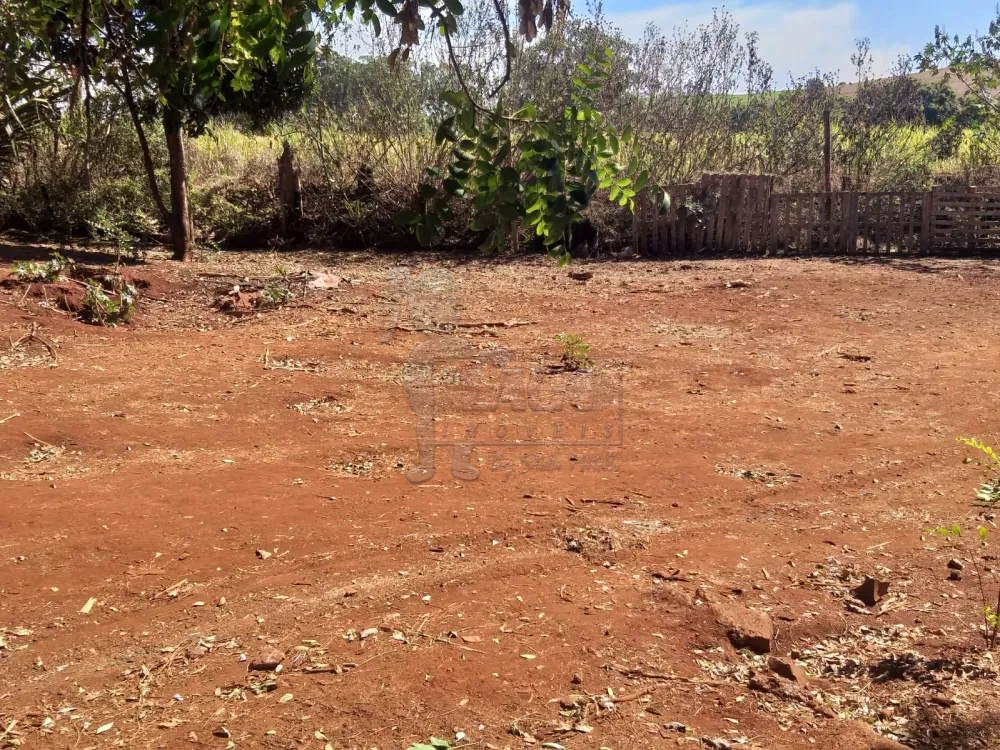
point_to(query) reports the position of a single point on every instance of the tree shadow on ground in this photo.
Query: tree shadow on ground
(923, 264)
(13, 250)
(938, 728)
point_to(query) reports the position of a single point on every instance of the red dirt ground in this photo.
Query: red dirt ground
(147, 468)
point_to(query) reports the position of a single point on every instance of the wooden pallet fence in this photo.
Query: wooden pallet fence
(722, 212)
(965, 218)
(846, 222)
(736, 213)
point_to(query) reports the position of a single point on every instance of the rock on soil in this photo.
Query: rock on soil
(871, 591)
(789, 670)
(267, 660)
(746, 628)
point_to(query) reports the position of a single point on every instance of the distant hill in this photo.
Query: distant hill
(850, 89)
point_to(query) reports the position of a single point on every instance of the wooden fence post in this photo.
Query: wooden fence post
(289, 191)
(925, 223)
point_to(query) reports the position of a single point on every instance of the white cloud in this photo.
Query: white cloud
(794, 40)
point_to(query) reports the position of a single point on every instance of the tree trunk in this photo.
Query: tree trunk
(147, 157)
(180, 218)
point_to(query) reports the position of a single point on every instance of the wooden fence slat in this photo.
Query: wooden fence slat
(710, 184)
(772, 223)
(831, 224)
(867, 222)
(925, 222)
(879, 233)
(845, 218)
(755, 192)
(721, 228)
(737, 201)
(767, 190)
(911, 224)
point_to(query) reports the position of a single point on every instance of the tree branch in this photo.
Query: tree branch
(508, 45)
(147, 159)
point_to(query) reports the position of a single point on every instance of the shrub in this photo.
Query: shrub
(58, 268)
(987, 500)
(109, 300)
(576, 353)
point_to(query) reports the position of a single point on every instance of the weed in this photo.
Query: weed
(576, 353)
(110, 227)
(276, 294)
(988, 501)
(109, 301)
(279, 291)
(57, 268)
(432, 744)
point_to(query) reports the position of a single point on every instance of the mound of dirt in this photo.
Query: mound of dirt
(68, 295)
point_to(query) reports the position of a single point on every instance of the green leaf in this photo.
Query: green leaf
(455, 98)
(423, 235)
(641, 180)
(406, 218)
(455, 7)
(445, 132)
(483, 221)
(386, 7)
(299, 59)
(584, 69)
(510, 175)
(299, 20)
(454, 187)
(264, 46)
(299, 39)
(527, 112)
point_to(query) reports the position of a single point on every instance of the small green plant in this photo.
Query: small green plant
(109, 227)
(279, 291)
(57, 268)
(109, 301)
(987, 500)
(432, 744)
(576, 353)
(276, 294)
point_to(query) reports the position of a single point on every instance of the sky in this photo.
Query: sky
(796, 38)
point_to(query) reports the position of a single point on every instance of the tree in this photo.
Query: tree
(186, 60)
(181, 62)
(975, 62)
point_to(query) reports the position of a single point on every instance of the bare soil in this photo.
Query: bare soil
(224, 485)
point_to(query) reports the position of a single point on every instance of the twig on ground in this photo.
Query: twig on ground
(41, 442)
(33, 335)
(633, 672)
